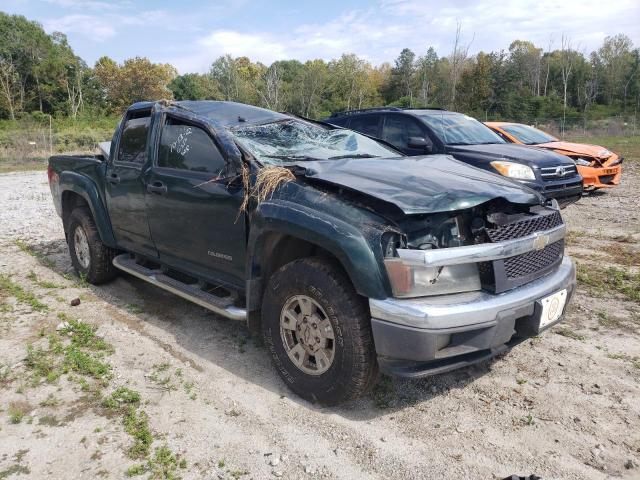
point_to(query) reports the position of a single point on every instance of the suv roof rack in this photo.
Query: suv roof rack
(365, 110)
(381, 109)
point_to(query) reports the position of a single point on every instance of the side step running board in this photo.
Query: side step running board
(220, 305)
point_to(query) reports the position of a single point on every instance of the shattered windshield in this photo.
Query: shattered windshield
(295, 140)
(528, 135)
(459, 129)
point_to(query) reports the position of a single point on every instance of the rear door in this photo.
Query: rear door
(369, 124)
(398, 129)
(193, 206)
(125, 189)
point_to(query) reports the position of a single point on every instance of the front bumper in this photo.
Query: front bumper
(565, 191)
(430, 335)
(602, 177)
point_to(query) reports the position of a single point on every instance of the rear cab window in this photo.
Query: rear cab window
(132, 148)
(187, 147)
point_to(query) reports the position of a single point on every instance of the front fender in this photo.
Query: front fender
(87, 189)
(349, 244)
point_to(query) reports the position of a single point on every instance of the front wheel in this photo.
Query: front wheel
(318, 332)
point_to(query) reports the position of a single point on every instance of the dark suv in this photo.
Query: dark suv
(422, 131)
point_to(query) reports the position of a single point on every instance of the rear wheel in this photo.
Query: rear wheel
(91, 259)
(318, 332)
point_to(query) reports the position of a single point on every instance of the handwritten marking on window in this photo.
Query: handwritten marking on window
(181, 145)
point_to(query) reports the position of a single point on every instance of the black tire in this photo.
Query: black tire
(100, 268)
(354, 368)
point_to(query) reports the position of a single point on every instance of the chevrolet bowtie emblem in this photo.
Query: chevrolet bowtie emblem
(540, 241)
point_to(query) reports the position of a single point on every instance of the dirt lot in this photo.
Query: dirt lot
(202, 400)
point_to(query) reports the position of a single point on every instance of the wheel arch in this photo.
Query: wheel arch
(280, 234)
(78, 190)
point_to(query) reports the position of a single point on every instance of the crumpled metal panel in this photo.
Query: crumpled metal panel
(418, 185)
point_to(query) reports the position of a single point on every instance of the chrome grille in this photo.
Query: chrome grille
(522, 228)
(558, 172)
(502, 275)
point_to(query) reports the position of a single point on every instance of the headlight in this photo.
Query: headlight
(604, 153)
(514, 170)
(410, 279)
(582, 162)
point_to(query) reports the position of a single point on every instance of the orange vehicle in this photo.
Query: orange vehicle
(599, 167)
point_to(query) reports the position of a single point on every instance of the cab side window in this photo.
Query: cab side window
(188, 147)
(133, 141)
(398, 128)
(367, 124)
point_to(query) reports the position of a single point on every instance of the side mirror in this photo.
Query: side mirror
(419, 142)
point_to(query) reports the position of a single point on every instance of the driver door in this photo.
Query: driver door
(193, 210)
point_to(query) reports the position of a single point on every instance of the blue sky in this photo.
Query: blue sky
(190, 34)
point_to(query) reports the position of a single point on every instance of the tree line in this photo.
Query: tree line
(39, 72)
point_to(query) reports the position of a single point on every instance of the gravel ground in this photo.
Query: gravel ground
(563, 405)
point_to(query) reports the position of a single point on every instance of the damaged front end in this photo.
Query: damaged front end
(494, 247)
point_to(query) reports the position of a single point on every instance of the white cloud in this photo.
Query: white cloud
(96, 28)
(377, 32)
(86, 4)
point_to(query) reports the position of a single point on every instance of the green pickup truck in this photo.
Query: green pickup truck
(349, 257)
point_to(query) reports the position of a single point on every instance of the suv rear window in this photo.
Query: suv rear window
(133, 142)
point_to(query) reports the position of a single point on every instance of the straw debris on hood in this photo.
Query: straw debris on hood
(268, 180)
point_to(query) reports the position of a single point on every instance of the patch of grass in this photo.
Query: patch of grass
(10, 288)
(572, 236)
(17, 411)
(42, 364)
(529, 420)
(49, 420)
(520, 381)
(383, 393)
(84, 334)
(41, 283)
(50, 401)
(16, 469)
(47, 262)
(624, 255)
(136, 424)
(601, 281)
(163, 381)
(5, 375)
(163, 464)
(83, 363)
(135, 470)
(5, 308)
(120, 397)
(239, 473)
(134, 309)
(567, 332)
(188, 388)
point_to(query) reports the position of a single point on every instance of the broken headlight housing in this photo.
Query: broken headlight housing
(412, 279)
(582, 162)
(409, 277)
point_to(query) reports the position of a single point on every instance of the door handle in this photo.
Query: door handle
(157, 187)
(113, 178)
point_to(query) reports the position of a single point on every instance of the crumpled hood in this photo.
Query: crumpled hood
(425, 184)
(578, 148)
(532, 156)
